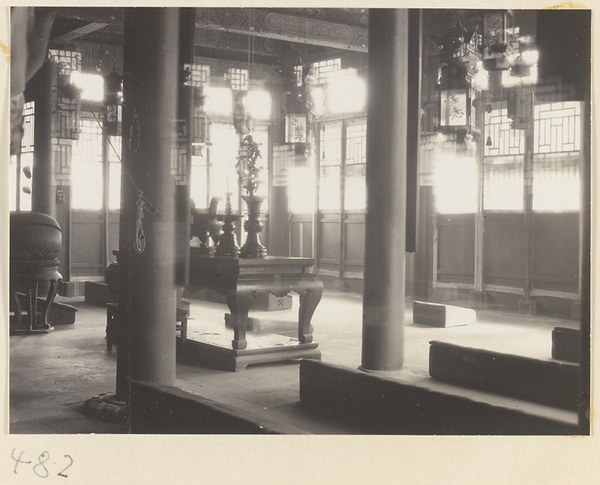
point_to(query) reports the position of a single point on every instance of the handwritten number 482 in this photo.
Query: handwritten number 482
(39, 468)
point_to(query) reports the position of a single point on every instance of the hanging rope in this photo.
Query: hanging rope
(143, 204)
(140, 238)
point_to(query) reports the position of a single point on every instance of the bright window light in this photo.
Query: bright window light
(481, 79)
(530, 57)
(219, 101)
(456, 185)
(317, 98)
(503, 190)
(91, 85)
(556, 190)
(510, 81)
(302, 190)
(347, 93)
(86, 183)
(258, 103)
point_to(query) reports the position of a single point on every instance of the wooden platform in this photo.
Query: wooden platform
(547, 382)
(209, 345)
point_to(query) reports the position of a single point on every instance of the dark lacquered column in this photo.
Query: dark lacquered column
(146, 349)
(384, 273)
(43, 190)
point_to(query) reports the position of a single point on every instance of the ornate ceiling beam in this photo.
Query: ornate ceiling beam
(282, 26)
(78, 32)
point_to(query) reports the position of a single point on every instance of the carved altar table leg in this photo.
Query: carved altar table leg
(49, 299)
(239, 306)
(310, 292)
(16, 308)
(32, 293)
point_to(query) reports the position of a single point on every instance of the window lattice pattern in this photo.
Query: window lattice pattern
(199, 75)
(356, 143)
(556, 185)
(68, 61)
(557, 127)
(505, 141)
(238, 79)
(324, 69)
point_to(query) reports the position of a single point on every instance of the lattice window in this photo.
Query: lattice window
(356, 143)
(504, 140)
(198, 75)
(557, 142)
(238, 79)
(325, 69)
(330, 160)
(68, 61)
(557, 127)
(355, 189)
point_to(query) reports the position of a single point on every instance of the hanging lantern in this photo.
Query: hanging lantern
(113, 93)
(498, 39)
(456, 83)
(520, 108)
(295, 127)
(297, 105)
(454, 108)
(66, 123)
(197, 76)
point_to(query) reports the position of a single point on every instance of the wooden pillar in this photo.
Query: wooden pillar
(415, 55)
(105, 200)
(384, 278)
(43, 190)
(186, 106)
(527, 305)
(146, 349)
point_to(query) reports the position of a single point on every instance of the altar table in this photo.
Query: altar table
(240, 281)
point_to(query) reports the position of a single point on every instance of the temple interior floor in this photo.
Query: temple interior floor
(52, 375)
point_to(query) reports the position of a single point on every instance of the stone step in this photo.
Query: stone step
(548, 382)
(161, 409)
(379, 403)
(439, 315)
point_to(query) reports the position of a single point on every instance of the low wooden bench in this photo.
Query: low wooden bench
(439, 315)
(566, 344)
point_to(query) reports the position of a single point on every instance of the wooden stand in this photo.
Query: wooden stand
(36, 310)
(240, 281)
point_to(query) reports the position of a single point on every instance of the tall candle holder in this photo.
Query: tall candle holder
(248, 171)
(228, 246)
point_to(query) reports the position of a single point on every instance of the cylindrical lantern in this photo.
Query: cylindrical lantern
(113, 93)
